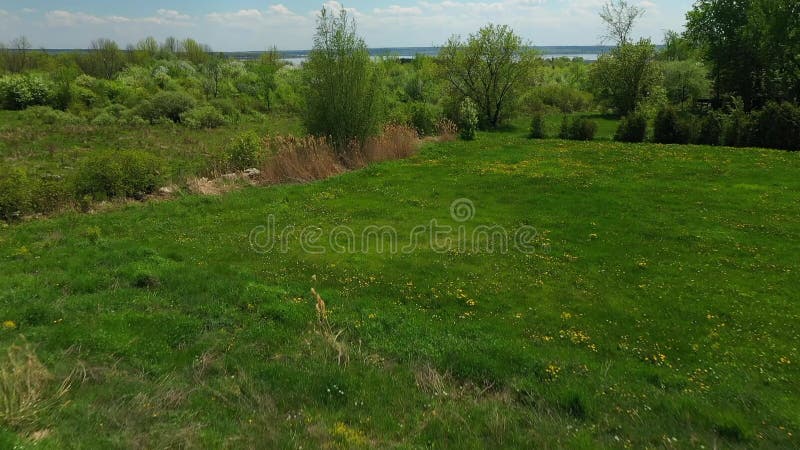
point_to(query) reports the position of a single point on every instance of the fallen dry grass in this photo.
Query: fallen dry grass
(26, 386)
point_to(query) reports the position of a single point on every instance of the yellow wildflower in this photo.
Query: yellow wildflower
(552, 371)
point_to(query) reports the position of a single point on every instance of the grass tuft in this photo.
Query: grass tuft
(26, 386)
(331, 337)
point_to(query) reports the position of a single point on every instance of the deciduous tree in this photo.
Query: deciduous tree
(489, 68)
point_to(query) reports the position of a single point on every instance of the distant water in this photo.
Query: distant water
(296, 57)
(588, 53)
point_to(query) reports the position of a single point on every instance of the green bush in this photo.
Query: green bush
(538, 127)
(228, 108)
(15, 193)
(737, 129)
(424, 118)
(168, 105)
(578, 129)
(49, 193)
(108, 174)
(710, 130)
(343, 100)
(565, 99)
(91, 92)
(468, 119)
(50, 116)
(777, 126)
(22, 91)
(104, 119)
(632, 128)
(242, 152)
(203, 117)
(670, 128)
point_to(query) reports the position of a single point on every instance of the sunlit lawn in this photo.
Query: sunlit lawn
(658, 310)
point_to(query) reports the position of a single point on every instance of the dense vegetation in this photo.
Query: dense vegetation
(656, 310)
(692, 91)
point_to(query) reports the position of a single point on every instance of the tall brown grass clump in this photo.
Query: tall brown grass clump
(26, 386)
(305, 159)
(396, 142)
(446, 130)
(300, 160)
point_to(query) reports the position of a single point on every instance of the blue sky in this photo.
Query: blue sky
(289, 24)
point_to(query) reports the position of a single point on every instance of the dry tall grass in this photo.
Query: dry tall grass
(396, 142)
(26, 387)
(330, 336)
(447, 130)
(301, 160)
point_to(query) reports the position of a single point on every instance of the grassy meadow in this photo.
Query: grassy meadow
(657, 312)
(184, 152)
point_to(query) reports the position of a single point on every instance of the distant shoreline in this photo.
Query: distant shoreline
(589, 53)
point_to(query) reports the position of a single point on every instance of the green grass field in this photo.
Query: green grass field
(659, 309)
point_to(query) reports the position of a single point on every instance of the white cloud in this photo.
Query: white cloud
(60, 18)
(29, 10)
(281, 9)
(397, 10)
(400, 23)
(236, 18)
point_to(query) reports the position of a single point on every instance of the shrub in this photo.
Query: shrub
(50, 116)
(424, 117)
(632, 128)
(104, 119)
(777, 126)
(242, 152)
(538, 127)
(468, 119)
(49, 193)
(578, 129)
(685, 81)
(203, 117)
(166, 105)
(228, 108)
(91, 91)
(710, 131)
(130, 118)
(626, 76)
(21, 91)
(343, 86)
(565, 99)
(109, 174)
(15, 193)
(670, 128)
(737, 129)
